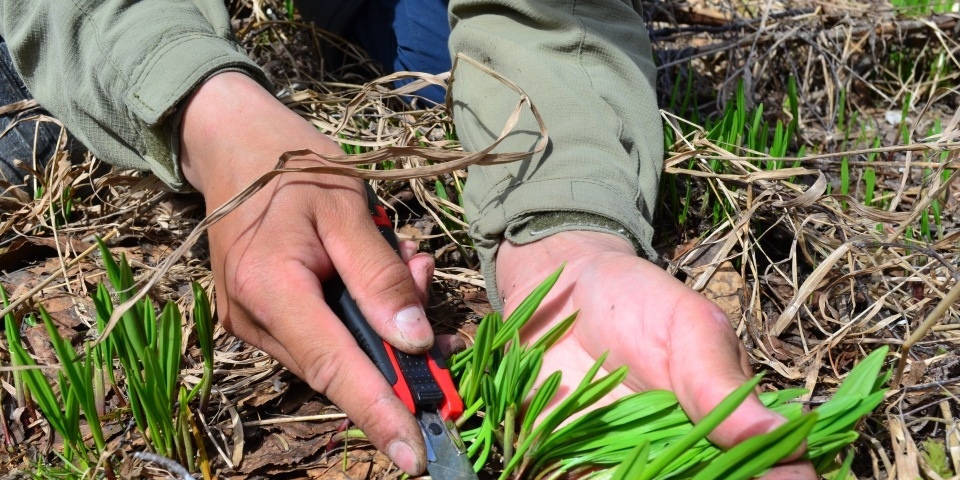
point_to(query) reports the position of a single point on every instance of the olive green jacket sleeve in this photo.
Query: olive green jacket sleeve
(588, 67)
(115, 71)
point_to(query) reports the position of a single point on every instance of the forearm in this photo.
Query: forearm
(115, 71)
(591, 75)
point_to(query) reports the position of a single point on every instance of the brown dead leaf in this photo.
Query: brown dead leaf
(916, 373)
(264, 394)
(62, 308)
(905, 452)
(477, 301)
(724, 288)
(24, 251)
(38, 342)
(278, 451)
(780, 287)
(296, 400)
(410, 232)
(21, 253)
(301, 430)
(677, 252)
(67, 243)
(359, 464)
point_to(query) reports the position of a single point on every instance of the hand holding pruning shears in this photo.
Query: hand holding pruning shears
(420, 381)
(271, 255)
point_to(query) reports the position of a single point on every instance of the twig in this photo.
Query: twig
(836, 33)
(928, 386)
(948, 301)
(305, 418)
(730, 26)
(930, 252)
(168, 464)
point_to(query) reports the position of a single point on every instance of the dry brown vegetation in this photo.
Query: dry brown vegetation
(811, 275)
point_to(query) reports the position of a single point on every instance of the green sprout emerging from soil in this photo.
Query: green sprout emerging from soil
(147, 347)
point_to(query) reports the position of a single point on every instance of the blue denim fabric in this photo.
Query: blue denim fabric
(406, 35)
(403, 35)
(17, 143)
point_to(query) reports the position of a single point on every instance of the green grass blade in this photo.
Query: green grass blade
(540, 400)
(862, 378)
(78, 375)
(556, 333)
(635, 463)
(757, 454)
(203, 320)
(701, 429)
(525, 310)
(169, 343)
(40, 389)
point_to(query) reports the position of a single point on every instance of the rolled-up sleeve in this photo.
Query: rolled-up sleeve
(588, 67)
(114, 72)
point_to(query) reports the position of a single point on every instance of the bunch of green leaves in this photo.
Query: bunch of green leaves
(641, 436)
(146, 346)
(60, 210)
(74, 392)
(497, 374)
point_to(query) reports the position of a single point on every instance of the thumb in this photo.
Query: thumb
(379, 280)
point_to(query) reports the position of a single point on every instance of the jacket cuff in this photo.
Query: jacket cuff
(588, 206)
(165, 81)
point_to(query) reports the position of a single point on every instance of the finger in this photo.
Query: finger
(421, 267)
(322, 351)
(450, 345)
(375, 275)
(719, 357)
(796, 470)
(407, 248)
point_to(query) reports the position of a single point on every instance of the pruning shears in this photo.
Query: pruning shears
(422, 382)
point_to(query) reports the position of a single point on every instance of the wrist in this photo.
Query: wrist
(524, 266)
(233, 130)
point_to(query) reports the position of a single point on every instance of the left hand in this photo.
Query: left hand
(670, 336)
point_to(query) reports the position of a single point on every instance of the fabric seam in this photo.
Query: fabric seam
(98, 39)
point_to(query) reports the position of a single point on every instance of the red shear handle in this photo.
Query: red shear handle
(423, 382)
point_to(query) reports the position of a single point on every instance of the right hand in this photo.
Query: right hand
(271, 254)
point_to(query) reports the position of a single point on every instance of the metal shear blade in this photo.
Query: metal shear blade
(445, 461)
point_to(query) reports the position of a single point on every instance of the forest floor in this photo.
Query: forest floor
(822, 242)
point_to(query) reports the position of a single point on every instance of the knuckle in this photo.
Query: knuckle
(390, 282)
(379, 425)
(341, 205)
(320, 368)
(244, 280)
(709, 314)
(244, 291)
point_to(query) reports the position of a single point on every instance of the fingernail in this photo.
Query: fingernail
(403, 456)
(414, 327)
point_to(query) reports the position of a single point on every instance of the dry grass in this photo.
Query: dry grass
(811, 279)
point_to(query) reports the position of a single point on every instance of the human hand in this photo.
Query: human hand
(270, 255)
(670, 336)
